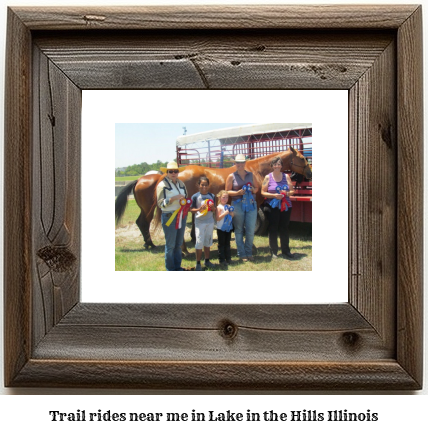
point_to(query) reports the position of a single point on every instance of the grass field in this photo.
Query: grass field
(132, 256)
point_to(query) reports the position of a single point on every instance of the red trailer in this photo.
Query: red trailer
(218, 148)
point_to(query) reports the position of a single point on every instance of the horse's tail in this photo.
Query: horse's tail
(122, 200)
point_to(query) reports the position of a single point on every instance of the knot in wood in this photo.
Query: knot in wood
(94, 18)
(351, 340)
(58, 259)
(386, 134)
(227, 329)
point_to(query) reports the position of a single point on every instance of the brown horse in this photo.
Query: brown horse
(145, 188)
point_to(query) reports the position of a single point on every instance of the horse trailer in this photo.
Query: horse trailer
(218, 148)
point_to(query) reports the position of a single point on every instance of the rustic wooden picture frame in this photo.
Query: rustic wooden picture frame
(372, 342)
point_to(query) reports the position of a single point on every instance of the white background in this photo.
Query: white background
(328, 112)
(398, 412)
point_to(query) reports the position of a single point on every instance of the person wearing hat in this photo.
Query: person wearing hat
(169, 192)
(241, 187)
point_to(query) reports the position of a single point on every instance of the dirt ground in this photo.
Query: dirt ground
(132, 232)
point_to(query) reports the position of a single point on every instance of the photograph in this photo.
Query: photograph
(241, 192)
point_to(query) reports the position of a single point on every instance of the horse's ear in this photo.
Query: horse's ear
(293, 150)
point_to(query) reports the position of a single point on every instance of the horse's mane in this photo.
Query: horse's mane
(261, 166)
(266, 159)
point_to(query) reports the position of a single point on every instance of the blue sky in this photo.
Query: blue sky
(137, 142)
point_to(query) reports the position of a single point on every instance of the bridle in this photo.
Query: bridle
(301, 167)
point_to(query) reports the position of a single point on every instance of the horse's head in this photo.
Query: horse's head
(299, 164)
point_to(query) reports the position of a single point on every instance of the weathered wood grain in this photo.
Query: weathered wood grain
(373, 163)
(284, 376)
(199, 332)
(209, 316)
(410, 206)
(216, 60)
(17, 199)
(372, 342)
(217, 17)
(56, 197)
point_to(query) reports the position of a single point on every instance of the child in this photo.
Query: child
(224, 228)
(203, 205)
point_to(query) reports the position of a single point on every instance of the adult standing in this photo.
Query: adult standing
(277, 208)
(169, 192)
(241, 187)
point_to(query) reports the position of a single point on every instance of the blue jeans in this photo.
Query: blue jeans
(244, 220)
(173, 241)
